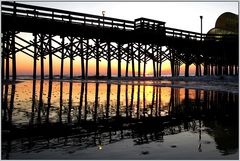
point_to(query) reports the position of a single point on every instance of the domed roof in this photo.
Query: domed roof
(219, 31)
(227, 21)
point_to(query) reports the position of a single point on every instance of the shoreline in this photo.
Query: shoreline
(215, 83)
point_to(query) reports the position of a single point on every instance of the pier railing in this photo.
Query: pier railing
(25, 10)
(65, 16)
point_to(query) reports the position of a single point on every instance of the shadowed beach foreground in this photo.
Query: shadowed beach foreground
(120, 119)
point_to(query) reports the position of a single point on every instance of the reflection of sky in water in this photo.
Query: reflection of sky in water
(210, 133)
(24, 96)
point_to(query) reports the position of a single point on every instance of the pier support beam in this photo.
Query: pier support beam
(219, 69)
(144, 62)
(132, 54)
(42, 55)
(127, 62)
(3, 56)
(198, 69)
(82, 60)
(211, 70)
(50, 58)
(71, 57)
(139, 59)
(97, 58)
(109, 70)
(187, 69)
(14, 69)
(62, 59)
(205, 69)
(154, 68)
(3, 63)
(87, 56)
(35, 56)
(157, 74)
(225, 70)
(231, 69)
(216, 69)
(119, 60)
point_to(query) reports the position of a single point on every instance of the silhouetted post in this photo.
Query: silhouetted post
(160, 62)
(108, 99)
(118, 100)
(205, 68)
(50, 58)
(14, 72)
(61, 102)
(160, 68)
(139, 59)
(42, 55)
(153, 98)
(132, 98)
(87, 55)
(11, 103)
(211, 73)
(126, 98)
(3, 56)
(172, 62)
(216, 69)
(119, 60)
(62, 58)
(7, 55)
(231, 69)
(127, 62)
(157, 65)
(40, 104)
(172, 105)
(97, 58)
(71, 57)
(197, 68)
(154, 65)
(33, 96)
(109, 60)
(225, 69)
(159, 102)
(85, 108)
(70, 102)
(81, 102)
(144, 66)
(82, 59)
(13, 57)
(144, 101)
(132, 54)
(220, 72)
(49, 99)
(154, 68)
(5, 102)
(156, 108)
(96, 102)
(138, 101)
(35, 56)
(187, 69)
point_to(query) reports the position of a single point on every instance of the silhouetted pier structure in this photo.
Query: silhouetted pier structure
(66, 34)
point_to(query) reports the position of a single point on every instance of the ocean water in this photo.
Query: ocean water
(116, 120)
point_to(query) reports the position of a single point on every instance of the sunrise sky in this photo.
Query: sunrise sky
(181, 15)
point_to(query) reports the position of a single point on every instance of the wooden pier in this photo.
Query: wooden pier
(98, 37)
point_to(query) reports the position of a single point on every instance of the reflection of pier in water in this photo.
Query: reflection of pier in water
(135, 105)
(97, 123)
